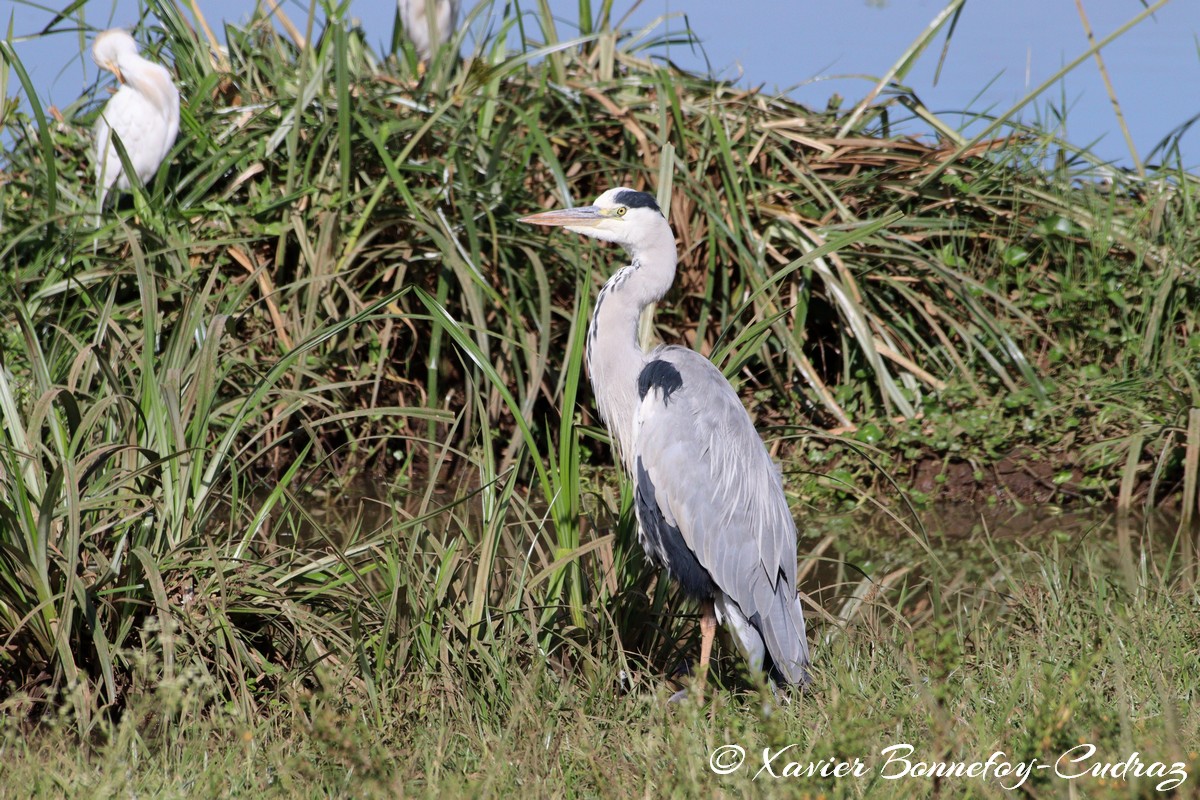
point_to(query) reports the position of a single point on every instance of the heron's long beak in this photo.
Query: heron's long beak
(581, 217)
(115, 70)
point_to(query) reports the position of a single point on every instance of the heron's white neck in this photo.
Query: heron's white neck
(614, 356)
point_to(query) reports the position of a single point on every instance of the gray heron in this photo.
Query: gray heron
(708, 498)
(143, 114)
(428, 23)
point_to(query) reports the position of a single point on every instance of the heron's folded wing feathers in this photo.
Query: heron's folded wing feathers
(714, 480)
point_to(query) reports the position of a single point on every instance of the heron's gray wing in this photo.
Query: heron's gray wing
(703, 477)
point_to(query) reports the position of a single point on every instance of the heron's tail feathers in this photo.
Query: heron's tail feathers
(786, 641)
(775, 641)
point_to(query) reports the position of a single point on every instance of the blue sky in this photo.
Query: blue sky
(1000, 49)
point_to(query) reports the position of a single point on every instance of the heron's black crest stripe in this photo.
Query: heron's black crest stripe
(661, 375)
(634, 199)
(664, 543)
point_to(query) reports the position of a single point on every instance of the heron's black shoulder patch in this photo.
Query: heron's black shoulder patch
(665, 545)
(634, 199)
(661, 375)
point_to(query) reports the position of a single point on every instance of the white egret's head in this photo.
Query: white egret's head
(625, 216)
(111, 47)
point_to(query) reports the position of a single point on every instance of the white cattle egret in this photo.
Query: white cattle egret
(143, 114)
(428, 23)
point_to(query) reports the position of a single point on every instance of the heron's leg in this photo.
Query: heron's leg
(708, 629)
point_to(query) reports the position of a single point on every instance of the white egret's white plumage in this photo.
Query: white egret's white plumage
(709, 500)
(428, 30)
(143, 114)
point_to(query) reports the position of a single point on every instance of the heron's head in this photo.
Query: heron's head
(625, 216)
(110, 47)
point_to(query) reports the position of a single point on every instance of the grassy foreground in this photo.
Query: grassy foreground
(325, 289)
(1027, 653)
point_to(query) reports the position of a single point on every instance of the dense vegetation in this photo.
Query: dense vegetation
(325, 295)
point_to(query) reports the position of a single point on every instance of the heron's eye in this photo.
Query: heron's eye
(621, 211)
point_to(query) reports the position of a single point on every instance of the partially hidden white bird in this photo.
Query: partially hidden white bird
(143, 114)
(428, 23)
(709, 500)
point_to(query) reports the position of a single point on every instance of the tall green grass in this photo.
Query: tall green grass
(324, 287)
